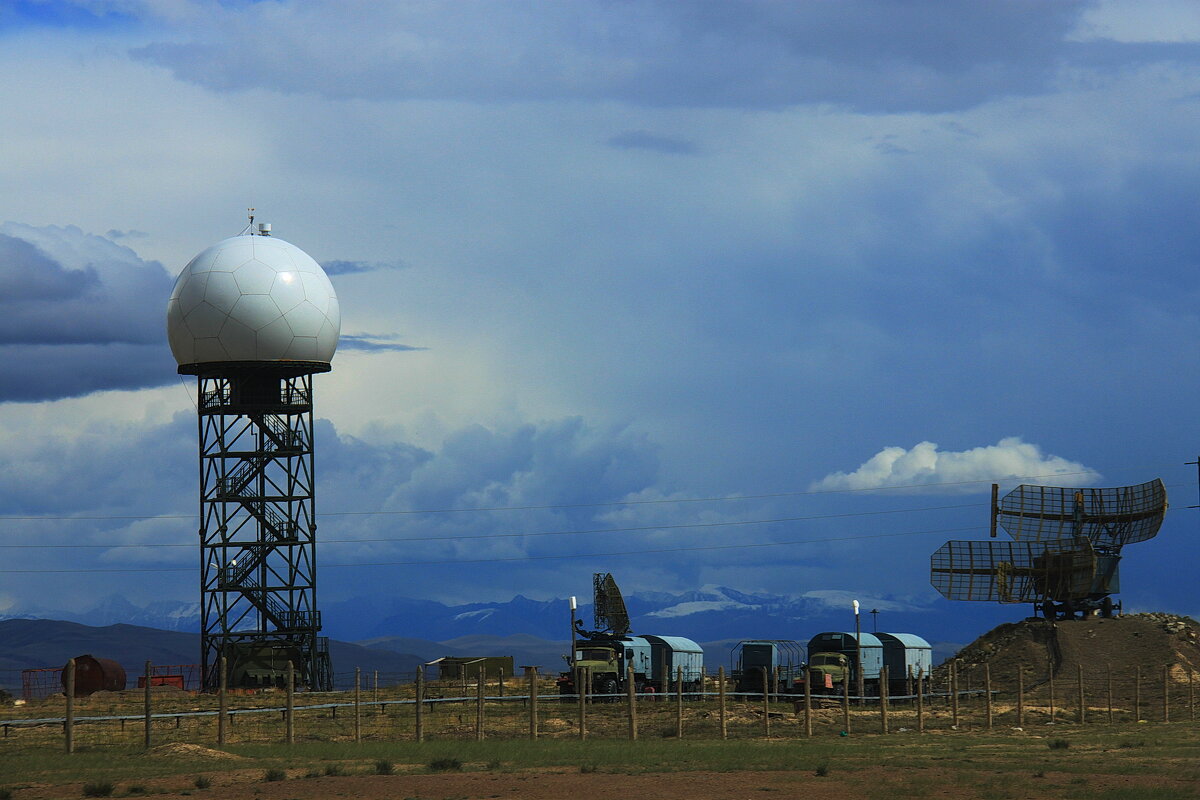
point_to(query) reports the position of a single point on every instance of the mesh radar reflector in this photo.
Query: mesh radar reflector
(1065, 551)
(254, 318)
(610, 613)
(1107, 518)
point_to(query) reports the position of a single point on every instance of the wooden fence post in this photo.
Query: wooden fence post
(290, 713)
(846, 703)
(1020, 695)
(222, 700)
(1137, 693)
(987, 694)
(581, 686)
(920, 699)
(679, 702)
(883, 698)
(1166, 692)
(954, 693)
(766, 680)
(376, 699)
(419, 706)
(1050, 668)
(631, 700)
(69, 722)
(1191, 695)
(147, 738)
(479, 684)
(1082, 699)
(357, 705)
(721, 703)
(808, 725)
(533, 701)
(1110, 694)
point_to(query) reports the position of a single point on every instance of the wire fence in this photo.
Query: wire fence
(956, 698)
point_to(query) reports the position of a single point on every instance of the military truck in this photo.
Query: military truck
(657, 662)
(607, 653)
(833, 659)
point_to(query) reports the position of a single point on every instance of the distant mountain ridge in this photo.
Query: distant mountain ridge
(708, 614)
(39, 643)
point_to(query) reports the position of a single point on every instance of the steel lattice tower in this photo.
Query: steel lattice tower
(254, 318)
(258, 573)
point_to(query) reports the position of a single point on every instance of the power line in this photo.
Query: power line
(544, 533)
(537, 558)
(720, 498)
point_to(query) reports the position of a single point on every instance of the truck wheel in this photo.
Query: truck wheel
(607, 686)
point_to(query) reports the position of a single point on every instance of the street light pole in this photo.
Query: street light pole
(572, 658)
(858, 666)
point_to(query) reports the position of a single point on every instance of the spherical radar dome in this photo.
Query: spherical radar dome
(253, 298)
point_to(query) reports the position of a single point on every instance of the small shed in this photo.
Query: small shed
(96, 674)
(459, 667)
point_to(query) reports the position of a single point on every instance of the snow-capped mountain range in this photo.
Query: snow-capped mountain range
(711, 613)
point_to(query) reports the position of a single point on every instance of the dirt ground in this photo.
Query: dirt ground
(238, 784)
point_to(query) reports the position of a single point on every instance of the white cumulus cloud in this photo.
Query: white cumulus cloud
(966, 470)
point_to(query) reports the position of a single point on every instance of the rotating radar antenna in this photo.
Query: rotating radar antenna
(1065, 549)
(611, 614)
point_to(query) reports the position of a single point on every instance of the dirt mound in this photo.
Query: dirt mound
(1041, 647)
(182, 750)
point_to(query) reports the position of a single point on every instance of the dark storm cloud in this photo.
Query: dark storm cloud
(29, 275)
(870, 55)
(373, 344)
(78, 314)
(338, 267)
(50, 372)
(644, 140)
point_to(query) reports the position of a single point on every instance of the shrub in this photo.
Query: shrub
(5, 794)
(384, 767)
(822, 770)
(136, 788)
(587, 769)
(98, 789)
(445, 765)
(202, 782)
(333, 769)
(274, 775)
(1058, 744)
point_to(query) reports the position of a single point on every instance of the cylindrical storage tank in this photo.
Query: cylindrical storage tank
(96, 674)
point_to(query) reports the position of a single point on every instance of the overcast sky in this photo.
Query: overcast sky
(600, 263)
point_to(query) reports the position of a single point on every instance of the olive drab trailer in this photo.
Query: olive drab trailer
(905, 654)
(782, 659)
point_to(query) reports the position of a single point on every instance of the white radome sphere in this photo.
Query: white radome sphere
(253, 298)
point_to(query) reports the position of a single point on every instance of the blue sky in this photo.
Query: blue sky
(601, 263)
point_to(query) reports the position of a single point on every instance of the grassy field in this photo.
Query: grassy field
(1126, 760)
(1097, 763)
